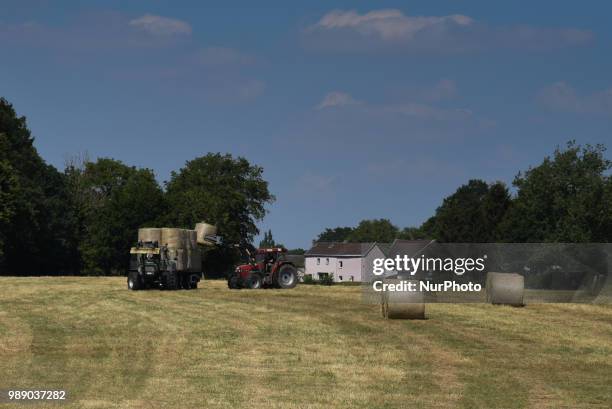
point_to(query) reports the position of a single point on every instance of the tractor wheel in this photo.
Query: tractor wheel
(254, 282)
(134, 281)
(184, 281)
(171, 280)
(287, 277)
(232, 282)
(192, 282)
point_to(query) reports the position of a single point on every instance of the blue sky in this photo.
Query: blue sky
(354, 109)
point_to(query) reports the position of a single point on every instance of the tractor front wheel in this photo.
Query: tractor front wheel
(134, 282)
(171, 280)
(254, 282)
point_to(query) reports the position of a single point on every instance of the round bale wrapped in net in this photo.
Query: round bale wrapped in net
(408, 305)
(203, 230)
(151, 234)
(505, 288)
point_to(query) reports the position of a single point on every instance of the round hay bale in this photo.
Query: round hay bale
(505, 288)
(149, 234)
(172, 237)
(181, 259)
(203, 230)
(407, 305)
(192, 237)
(185, 238)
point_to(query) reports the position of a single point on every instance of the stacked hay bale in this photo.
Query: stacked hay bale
(194, 257)
(408, 305)
(505, 288)
(202, 231)
(152, 234)
(182, 247)
(182, 244)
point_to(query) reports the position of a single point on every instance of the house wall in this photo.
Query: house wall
(351, 267)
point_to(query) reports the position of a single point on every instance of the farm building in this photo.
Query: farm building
(346, 261)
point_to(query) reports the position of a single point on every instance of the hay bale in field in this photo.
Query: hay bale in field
(149, 234)
(505, 288)
(203, 230)
(402, 304)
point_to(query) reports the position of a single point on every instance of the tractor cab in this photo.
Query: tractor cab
(265, 258)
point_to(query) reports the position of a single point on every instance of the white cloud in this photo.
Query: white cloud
(389, 24)
(161, 26)
(391, 29)
(419, 107)
(335, 99)
(562, 97)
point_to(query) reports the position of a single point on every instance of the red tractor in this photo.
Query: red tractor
(268, 267)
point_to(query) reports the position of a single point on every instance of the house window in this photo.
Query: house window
(340, 277)
(339, 264)
(318, 261)
(327, 261)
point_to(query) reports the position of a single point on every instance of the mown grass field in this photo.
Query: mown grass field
(311, 347)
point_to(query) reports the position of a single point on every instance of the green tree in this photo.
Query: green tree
(33, 204)
(268, 240)
(8, 187)
(413, 233)
(335, 234)
(226, 191)
(379, 230)
(470, 215)
(567, 198)
(112, 201)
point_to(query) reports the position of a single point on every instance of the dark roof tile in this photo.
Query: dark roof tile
(339, 249)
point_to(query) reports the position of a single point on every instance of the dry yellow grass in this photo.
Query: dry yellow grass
(311, 347)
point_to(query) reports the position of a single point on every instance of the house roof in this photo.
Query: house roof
(407, 247)
(339, 249)
(385, 247)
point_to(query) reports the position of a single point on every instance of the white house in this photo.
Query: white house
(346, 261)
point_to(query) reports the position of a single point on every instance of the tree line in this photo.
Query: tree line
(84, 219)
(566, 198)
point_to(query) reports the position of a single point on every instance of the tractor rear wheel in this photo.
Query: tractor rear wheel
(133, 281)
(254, 282)
(232, 282)
(287, 277)
(171, 280)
